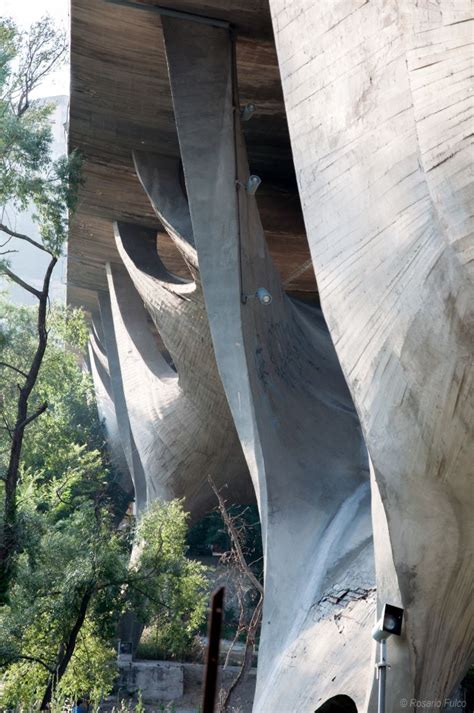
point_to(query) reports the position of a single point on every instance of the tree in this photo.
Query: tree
(174, 599)
(68, 596)
(29, 177)
(51, 626)
(73, 577)
(65, 485)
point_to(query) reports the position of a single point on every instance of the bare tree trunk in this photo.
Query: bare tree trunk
(241, 626)
(9, 535)
(253, 625)
(234, 536)
(248, 656)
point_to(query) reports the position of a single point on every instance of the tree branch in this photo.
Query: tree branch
(240, 626)
(34, 415)
(10, 366)
(34, 659)
(47, 277)
(20, 282)
(69, 647)
(21, 236)
(151, 598)
(130, 581)
(248, 655)
(235, 539)
(6, 427)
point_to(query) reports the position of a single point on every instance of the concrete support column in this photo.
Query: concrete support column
(293, 412)
(379, 103)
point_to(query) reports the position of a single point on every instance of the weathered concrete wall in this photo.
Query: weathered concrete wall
(380, 116)
(156, 681)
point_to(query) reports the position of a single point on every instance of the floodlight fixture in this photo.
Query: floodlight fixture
(390, 623)
(247, 111)
(261, 294)
(252, 184)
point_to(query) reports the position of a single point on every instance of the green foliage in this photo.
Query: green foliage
(29, 177)
(71, 417)
(70, 555)
(70, 548)
(140, 708)
(175, 599)
(92, 669)
(28, 174)
(154, 647)
(66, 500)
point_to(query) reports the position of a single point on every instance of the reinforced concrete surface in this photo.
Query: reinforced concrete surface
(386, 188)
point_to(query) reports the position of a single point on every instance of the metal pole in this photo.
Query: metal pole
(382, 675)
(212, 659)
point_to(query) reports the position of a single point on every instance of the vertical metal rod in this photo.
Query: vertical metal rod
(236, 122)
(212, 659)
(382, 675)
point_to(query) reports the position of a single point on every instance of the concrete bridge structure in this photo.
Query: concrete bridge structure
(343, 404)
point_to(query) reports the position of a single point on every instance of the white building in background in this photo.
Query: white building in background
(29, 262)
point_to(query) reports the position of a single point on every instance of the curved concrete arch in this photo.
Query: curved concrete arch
(173, 433)
(140, 246)
(289, 400)
(106, 407)
(127, 442)
(160, 178)
(386, 189)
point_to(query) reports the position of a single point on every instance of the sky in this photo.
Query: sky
(25, 12)
(27, 262)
